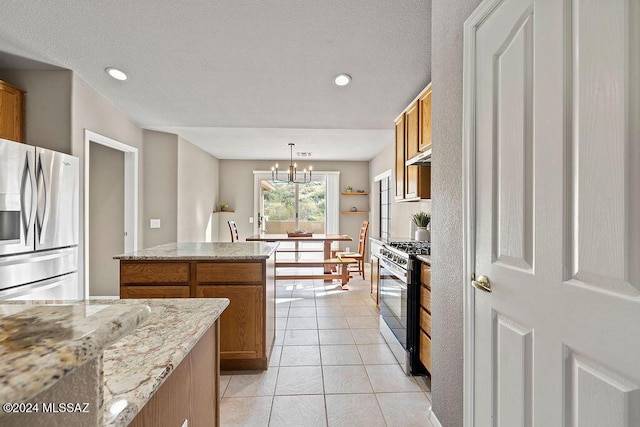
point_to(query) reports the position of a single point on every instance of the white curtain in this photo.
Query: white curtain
(333, 203)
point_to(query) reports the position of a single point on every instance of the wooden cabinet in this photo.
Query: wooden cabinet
(399, 165)
(11, 112)
(412, 126)
(247, 326)
(375, 279)
(413, 135)
(191, 392)
(425, 315)
(243, 335)
(424, 105)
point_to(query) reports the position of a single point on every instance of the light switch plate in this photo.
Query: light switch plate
(154, 223)
(250, 220)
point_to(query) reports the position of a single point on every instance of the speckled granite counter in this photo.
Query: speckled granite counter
(41, 343)
(204, 251)
(137, 365)
(424, 258)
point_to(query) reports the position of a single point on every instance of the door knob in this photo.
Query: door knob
(482, 283)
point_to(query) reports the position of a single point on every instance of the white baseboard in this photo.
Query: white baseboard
(432, 417)
(103, 297)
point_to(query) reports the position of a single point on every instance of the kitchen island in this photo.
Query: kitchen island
(60, 366)
(243, 272)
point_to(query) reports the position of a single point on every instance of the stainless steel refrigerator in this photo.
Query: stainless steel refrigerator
(39, 223)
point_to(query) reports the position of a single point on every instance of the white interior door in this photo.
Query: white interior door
(552, 115)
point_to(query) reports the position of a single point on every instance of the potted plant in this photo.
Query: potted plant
(224, 207)
(349, 189)
(421, 220)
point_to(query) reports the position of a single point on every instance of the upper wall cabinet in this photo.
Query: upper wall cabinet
(11, 112)
(424, 106)
(413, 137)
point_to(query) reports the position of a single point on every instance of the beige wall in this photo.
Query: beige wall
(161, 187)
(181, 189)
(197, 192)
(106, 213)
(92, 111)
(48, 106)
(400, 211)
(446, 275)
(236, 189)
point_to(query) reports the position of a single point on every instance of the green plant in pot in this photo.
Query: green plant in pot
(421, 220)
(224, 206)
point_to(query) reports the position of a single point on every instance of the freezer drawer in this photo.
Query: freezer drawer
(59, 288)
(33, 267)
(58, 214)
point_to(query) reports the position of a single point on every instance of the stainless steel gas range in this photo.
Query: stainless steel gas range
(400, 301)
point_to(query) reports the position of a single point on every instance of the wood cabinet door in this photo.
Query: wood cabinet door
(412, 126)
(241, 325)
(11, 113)
(399, 172)
(424, 103)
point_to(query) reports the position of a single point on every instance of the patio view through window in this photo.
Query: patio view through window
(290, 207)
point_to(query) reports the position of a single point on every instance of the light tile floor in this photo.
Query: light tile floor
(330, 367)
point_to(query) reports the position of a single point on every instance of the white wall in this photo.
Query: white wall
(197, 192)
(90, 110)
(160, 187)
(400, 211)
(236, 189)
(181, 189)
(47, 106)
(446, 274)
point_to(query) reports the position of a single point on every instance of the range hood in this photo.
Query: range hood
(422, 159)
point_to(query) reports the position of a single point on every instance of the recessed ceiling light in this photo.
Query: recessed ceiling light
(342, 79)
(116, 74)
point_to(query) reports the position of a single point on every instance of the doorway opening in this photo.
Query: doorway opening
(125, 160)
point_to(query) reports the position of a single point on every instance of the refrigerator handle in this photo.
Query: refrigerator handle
(27, 174)
(43, 192)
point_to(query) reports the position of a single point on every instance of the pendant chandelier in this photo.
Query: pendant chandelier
(292, 172)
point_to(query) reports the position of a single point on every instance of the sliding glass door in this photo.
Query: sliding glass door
(288, 207)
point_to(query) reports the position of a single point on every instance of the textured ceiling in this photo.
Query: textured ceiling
(199, 64)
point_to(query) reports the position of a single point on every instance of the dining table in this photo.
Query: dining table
(326, 239)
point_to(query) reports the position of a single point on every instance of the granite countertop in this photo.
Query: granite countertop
(137, 365)
(204, 251)
(424, 258)
(42, 342)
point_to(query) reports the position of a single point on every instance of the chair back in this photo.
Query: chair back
(362, 238)
(233, 229)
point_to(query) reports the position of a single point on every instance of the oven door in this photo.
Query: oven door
(394, 286)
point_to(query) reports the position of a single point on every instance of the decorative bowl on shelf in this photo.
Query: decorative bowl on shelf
(354, 209)
(360, 191)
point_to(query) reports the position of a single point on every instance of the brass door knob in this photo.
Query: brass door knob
(482, 283)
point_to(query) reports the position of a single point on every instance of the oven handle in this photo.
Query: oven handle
(398, 272)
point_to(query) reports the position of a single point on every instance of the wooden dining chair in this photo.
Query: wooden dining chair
(362, 248)
(233, 228)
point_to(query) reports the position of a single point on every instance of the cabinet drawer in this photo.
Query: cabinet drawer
(425, 321)
(154, 292)
(425, 274)
(154, 272)
(425, 298)
(229, 272)
(425, 350)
